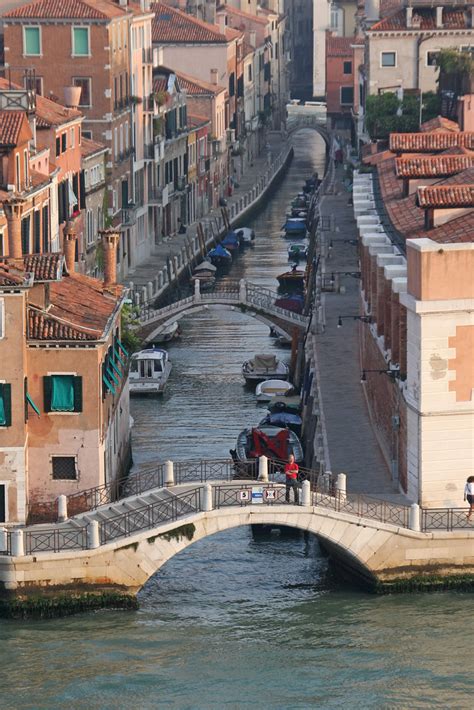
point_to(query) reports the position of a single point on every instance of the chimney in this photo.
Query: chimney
(69, 248)
(222, 21)
(72, 96)
(253, 38)
(466, 112)
(214, 76)
(409, 12)
(439, 17)
(110, 239)
(13, 208)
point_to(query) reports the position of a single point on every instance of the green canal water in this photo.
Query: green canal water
(233, 621)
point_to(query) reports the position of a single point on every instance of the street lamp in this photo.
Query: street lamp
(393, 374)
(363, 319)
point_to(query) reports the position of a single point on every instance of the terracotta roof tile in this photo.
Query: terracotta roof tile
(10, 127)
(443, 196)
(44, 267)
(193, 86)
(338, 46)
(455, 231)
(435, 166)
(64, 10)
(430, 142)
(440, 123)
(452, 19)
(12, 277)
(171, 26)
(48, 113)
(231, 10)
(196, 121)
(89, 147)
(44, 327)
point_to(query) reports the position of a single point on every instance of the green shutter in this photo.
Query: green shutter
(122, 348)
(29, 401)
(116, 353)
(111, 375)
(114, 367)
(108, 384)
(62, 393)
(5, 405)
(81, 41)
(32, 41)
(77, 386)
(47, 394)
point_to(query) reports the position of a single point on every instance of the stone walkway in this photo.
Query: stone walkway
(353, 447)
(147, 271)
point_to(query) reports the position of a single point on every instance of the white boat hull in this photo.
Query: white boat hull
(268, 389)
(147, 385)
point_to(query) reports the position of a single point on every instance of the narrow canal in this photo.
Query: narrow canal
(232, 622)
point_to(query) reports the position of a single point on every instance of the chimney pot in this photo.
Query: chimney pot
(110, 239)
(72, 96)
(69, 248)
(439, 17)
(214, 76)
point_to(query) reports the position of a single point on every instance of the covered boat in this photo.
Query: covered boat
(294, 226)
(246, 236)
(298, 251)
(231, 241)
(289, 420)
(268, 389)
(290, 404)
(219, 256)
(291, 302)
(271, 441)
(205, 274)
(264, 367)
(149, 371)
(171, 332)
(292, 279)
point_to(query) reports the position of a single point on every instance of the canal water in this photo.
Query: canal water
(234, 622)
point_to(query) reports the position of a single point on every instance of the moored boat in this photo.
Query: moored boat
(149, 371)
(268, 389)
(291, 420)
(271, 441)
(171, 332)
(205, 274)
(290, 404)
(219, 256)
(246, 236)
(297, 251)
(292, 279)
(231, 242)
(294, 226)
(264, 367)
(291, 302)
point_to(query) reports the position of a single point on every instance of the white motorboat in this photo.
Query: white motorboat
(149, 371)
(246, 235)
(268, 389)
(264, 367)
(171, 332)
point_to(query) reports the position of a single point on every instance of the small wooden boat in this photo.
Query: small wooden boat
(268, 389)
(290, 404)
(271, 441)
(291, 302)
(294, 227)
(171, 332)
(246, 236)
(205, 274)
(298, 251)
(301, 200)
(289, 420)
(264, 367)
(296, 213)
(231, 242)
(292, 279)
(219, 256)
(149, 371)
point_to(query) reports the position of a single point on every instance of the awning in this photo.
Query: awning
(32, 404)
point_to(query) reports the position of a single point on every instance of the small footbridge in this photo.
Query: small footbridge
(258, 301)
(126, 531)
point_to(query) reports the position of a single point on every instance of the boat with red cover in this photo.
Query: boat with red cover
(271, 441)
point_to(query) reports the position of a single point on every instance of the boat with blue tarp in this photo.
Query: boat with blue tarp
(219, 256)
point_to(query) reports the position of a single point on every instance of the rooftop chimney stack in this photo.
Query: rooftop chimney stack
(253, 38)
(409, 11)
(72, 96)
(214, 76)
(110, 239)
(439, 17)
(69, 248)
(13, 208)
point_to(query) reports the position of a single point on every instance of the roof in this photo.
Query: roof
(48, 113)
(440, 123)
(44, 267)
(171, 26)
(231, 10)
(43, 327)
(233, 33)
(433, 166)
(195, 121)
(10, 127)
(89, 147)
(455, 231)
(68, 10)
(430, 142)
(444, 196)
(452, 20)
(11, 276)
(192, 85)
(338, 46)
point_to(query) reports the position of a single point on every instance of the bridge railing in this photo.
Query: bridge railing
(446, 519)
(363, 507)
(215, 470)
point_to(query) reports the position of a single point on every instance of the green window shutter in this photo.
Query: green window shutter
(114, 367)
(62, 393)
(47, 394)
(32, 41)
(81, 41)
(111, 376)
(5, 405)
(77, 385)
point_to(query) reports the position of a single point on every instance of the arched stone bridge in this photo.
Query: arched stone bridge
(119, 545)
(259, 301)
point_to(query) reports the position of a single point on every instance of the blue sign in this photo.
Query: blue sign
(257, 494)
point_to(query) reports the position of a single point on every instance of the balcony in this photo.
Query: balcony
(149, 103)
(124, 155)
(129, 216)
(155, 195)
(149, 151)
(147, 55)
(121, 104)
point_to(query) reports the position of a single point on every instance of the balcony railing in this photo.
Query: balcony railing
(149, 103)
(149, 151)
(129, 216)
(155, 195)
(121, 104)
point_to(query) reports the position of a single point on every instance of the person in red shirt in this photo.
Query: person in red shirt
(291, 474)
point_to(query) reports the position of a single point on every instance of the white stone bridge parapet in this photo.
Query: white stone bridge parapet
(120, 545)
(259, 301)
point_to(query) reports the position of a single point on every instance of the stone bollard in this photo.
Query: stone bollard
(62, 508)
(197, 290)
(414, 517)
(3, 540)
(169, 473)
(243, 291)
(93, 538)
(326, 480)
(149, 289)
(18, 544)
(306, 493)
(263, 469)
(207, 498)
(341, 485)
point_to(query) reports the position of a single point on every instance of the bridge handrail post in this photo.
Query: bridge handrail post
(93, 539)
(243, 291)
(17, 543)
(306, 494)
(414, 517)
(197, 290)
(62, 508)
(207, 498)
(169, 474)
(263, 469)
(341, 486)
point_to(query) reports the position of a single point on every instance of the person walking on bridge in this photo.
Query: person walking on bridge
(469, 495)
(291, 474)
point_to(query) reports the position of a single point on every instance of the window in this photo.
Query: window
(71, 137)
(388, 59)
(5, 405)
(87, 134)
(37, 232)
(64, 468)
(25, 166)
(249, 76)
(347, 69)
(2, 244)
(347, 95)
(80, 42)
(18, 172)
(25, 235)
(45, 229)
(58, 146)
(63, 142)
(32, 41)
(90, 231)
(432, 59)
(62, 393)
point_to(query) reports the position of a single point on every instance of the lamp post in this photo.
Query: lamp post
(363, 319)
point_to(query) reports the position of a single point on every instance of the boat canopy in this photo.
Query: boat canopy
(231, 238)
(150, 354)
(283, 419)
(219, 250)
(265, 362)
(263, 444)
(206, 266)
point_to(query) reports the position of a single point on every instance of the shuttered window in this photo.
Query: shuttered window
(62, 393)
(5, 405)
(25, 235)
(32, 41)
(80, 41)
(37, 232)
(45, 229)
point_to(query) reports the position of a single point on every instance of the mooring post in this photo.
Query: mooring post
(169, 474)
(341, 485)
(306, 493)
(243, 291)
(414, 517)
(197, 290)
(18, 543)
(93, 538)
(207, 498)
(62, 508)
(3, 540)
(263, 469)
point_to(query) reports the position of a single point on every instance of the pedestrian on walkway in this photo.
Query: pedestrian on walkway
(469, 495)
(291, 474)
